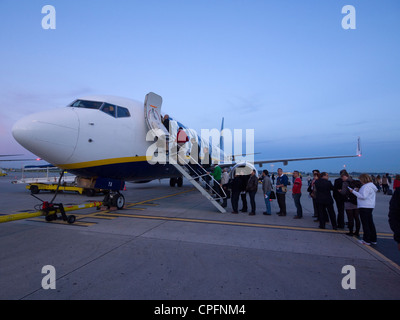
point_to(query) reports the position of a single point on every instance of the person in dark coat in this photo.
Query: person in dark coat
(236, 187)
(350, 203)
(324, 200)
(394, 216)
(244, 179)
(251, 188)
(339, 199)
(166, 122)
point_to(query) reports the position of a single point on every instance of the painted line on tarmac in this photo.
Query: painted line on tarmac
(234, 223)
(258, 225)
(113, 214)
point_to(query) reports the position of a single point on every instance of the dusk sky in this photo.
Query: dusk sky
(287, 69)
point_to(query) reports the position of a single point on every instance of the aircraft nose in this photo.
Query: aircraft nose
(51, 135)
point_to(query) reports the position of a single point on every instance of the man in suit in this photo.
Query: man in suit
(324, 200)
(339, 199)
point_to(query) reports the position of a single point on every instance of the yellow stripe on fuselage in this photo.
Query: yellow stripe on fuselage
(103, 162)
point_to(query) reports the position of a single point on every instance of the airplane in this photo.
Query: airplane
(104, 140)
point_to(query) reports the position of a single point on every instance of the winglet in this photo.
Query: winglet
(359, 152)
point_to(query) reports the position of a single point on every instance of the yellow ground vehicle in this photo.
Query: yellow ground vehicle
(49, 182)
(35, 188)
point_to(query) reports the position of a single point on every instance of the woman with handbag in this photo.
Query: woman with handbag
(252, 186)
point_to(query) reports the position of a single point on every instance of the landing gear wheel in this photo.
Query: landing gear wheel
(34, 189)
(71, 219)
(119, 201)
(179, 182)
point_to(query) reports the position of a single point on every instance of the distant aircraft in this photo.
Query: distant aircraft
(2, 171)
(15, 155)
(102, 139)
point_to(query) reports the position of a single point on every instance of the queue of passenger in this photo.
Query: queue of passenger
(355, 197)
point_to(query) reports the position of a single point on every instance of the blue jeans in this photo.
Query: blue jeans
(296, 198)
(268, 202)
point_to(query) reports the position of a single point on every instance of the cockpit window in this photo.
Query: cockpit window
(109, 109)
(123, 112)
(86, 104)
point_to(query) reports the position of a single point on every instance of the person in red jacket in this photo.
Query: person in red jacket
(181, 138)
(396, 182)
(296, 192)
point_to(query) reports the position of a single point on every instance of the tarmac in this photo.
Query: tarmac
(172, 244)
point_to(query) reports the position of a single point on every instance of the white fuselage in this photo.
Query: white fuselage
(86, 140)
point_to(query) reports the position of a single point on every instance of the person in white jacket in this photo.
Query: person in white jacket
(366, 203)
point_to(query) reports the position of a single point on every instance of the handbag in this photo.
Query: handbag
(272, 195)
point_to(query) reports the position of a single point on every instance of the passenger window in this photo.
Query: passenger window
(109, 109)
(123, 113)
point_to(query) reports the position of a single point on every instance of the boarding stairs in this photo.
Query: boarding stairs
(193, 172)
(187, 166)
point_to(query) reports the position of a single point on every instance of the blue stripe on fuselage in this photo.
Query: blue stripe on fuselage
(129, 171)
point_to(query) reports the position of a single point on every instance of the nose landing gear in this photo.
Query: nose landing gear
(114, 199)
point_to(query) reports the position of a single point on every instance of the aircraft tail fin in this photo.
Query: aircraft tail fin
(221, 140)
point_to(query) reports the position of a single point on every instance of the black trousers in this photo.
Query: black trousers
(315, 206)
(368, 224)
(244, 200)
(353, 216)
(252, 195)
(235, 200)
(340, 213)
(322, 208)
(281, 197)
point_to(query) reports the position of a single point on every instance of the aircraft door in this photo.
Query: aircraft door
(152, 114)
